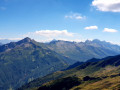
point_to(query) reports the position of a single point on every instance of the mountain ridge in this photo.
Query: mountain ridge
(106, 69)
(82, 51)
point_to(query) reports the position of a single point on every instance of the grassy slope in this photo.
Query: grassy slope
(103, 82)
(102, 69)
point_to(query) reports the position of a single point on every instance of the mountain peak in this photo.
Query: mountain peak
(25, 40)
(87, 41)
(53, 41)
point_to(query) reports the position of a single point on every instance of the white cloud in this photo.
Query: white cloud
(76, 16)
(109, 30)
(48, 35)
(107, 5)
(72, 40)
(53, 33)
(91, 27)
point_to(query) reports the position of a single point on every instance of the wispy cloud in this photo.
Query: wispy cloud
(91, 28)
(110, 30)
(107, 5)
(76, 16)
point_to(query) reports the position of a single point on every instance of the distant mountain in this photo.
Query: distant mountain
(94, 60)
(83, 51)
(25, 60)
(5, 41)
(103, 44)
(89, 76)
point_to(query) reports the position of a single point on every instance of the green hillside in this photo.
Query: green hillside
(89, 73)
(23, 61)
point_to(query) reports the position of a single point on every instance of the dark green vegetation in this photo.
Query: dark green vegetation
(83, 51)
(23, 61)
(99, 75)
(67, 83)
(60, 84)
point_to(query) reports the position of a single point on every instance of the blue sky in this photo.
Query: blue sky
(73, 20)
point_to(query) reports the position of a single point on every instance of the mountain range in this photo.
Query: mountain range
(82, 51)
(26, 60)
